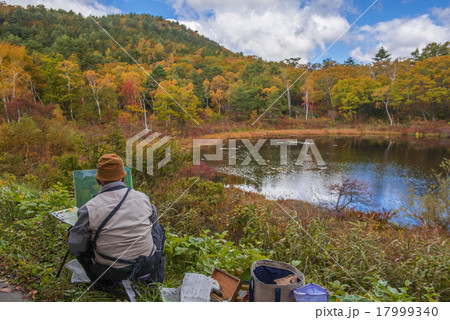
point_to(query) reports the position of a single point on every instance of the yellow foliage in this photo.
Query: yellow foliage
(207, 112)
(253, 115)
(269, 91)
(58, 114)
(124, 118)
(134, 108)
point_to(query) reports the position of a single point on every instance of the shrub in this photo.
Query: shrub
(351, 191)
(432, 209)
(203, 170)
(21, 145)
(19, 201)
(205, 252)
(32, 242)
(60, 137)
(203, 196)
(258, 226)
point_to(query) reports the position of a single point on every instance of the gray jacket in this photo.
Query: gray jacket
(83, 231)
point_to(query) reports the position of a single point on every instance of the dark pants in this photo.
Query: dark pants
(153, 265)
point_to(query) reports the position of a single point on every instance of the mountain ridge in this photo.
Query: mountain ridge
(142, 35)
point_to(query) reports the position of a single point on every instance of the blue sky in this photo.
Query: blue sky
(382, 10)
(279, 29)
(154, 7)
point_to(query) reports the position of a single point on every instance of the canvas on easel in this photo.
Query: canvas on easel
(86, 187)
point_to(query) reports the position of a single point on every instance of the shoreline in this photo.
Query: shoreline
(186, 140)
(341, 132)
(297, 132)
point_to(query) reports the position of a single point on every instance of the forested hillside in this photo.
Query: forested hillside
(58, 58)
(148, 39)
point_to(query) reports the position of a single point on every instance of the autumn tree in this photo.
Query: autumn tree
(385, 94)
(321, 82)
(97, 83)
(428, 81)
(351, 94)
(14, 77)
(270, 94)
(54, 81)
(70, 70)
(5, 49)
(218, 92)
(176, 103)
(206, 91)
(308, 89)
(133, 93)
(151, 82)
(287, 86)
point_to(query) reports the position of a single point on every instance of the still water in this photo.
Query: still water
(389, 166)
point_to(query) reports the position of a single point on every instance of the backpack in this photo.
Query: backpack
(152, 267)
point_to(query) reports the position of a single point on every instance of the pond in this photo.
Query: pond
(389, 166)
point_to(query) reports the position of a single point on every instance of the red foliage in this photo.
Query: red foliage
(202, 170)
(128, 91)
(25, 104)
(351, 191)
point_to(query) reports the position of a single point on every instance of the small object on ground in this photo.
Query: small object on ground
(78, 273)
(242, 296)
(197, 288)
(229, 284)
(129, 290)
(287, 280)
(171, 294)
(216, 297)
(310, 293)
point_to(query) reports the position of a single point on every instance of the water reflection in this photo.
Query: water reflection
(390, 166)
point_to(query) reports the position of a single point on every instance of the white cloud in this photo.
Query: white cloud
(442, 15)
(399, 36)
(93, 7)
(272, 29)
(360, 56)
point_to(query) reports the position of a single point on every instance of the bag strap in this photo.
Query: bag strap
(100, 228)
(114, 259)
(251, 291)
(113, 189)
(277, 294)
